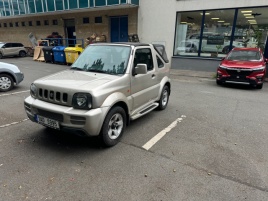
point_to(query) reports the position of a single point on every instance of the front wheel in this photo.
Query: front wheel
(259, 86)
(164, 98)
(6, 82)
(113, 126)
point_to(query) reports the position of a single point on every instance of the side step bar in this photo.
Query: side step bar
(145, 111)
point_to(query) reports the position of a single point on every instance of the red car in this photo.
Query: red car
(243, 66)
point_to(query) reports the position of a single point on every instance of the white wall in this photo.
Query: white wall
(157, 18)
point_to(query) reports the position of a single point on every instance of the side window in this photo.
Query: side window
(8, 45)
(144, 56)
(159, 62)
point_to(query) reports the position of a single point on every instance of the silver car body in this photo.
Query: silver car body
(137, 94)
(12, 70)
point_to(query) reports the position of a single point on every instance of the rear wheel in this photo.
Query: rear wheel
(22, 54)
(1, 55)
(219, 82)
(6, 82)
(113, 126)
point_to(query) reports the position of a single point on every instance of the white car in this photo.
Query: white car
(9, 75)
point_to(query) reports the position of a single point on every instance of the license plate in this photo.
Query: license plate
(48, 122)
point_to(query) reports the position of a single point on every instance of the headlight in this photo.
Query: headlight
(82, 101)
(33, 90)
(222, 67)
(259, 69)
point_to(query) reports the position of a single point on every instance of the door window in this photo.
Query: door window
(144, 56)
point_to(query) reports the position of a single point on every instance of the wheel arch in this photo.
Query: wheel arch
(10, 74)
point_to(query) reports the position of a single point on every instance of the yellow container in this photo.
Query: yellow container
(72, 53)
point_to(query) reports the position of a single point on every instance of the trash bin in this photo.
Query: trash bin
(59, 55)
(72, 53)
(48, 54)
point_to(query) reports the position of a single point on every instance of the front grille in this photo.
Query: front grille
(53, 96)
(51, 115)
(238, 72)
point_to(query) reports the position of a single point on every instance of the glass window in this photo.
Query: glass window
(5, 24)
(16, 24)
(144, 56)
(188, 33)
(10, 24)
(55, 22)
(111, 2)
(31, 6)
(73, 4)
(98, 20)
(85, 20)
(30, 23)
(159, 62)
(15, 7)
(50, 6)
(217, 33)
(83, 4)
(251, 27)
(38, 23)
(66, 4)
(39, 7)
(59, 4)
(23, 24)
(46, 22)
(100, 3)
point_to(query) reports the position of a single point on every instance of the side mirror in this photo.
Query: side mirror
(140, 69)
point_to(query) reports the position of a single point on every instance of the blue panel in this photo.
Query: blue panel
(6, 4)
(111, 2)
(31, 6)
(115, 29)
(83, 4)
(45, 6)
(100, 3)
(123, 1)
(59, 5)
(38, 4)
(73, 4)
(119, 29)
(2, 12)
(91, 3)
(123, 29)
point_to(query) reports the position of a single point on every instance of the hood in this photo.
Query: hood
(71, 79)
(242, 64)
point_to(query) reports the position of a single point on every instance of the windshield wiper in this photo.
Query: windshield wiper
(96, 70)
(76, 68)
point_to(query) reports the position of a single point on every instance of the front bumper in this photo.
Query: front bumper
(83, 122)
(19, 77)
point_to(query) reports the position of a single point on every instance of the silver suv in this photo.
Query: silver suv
(107, 86)
(12, 49)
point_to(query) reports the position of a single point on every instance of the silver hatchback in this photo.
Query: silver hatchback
(12, 49)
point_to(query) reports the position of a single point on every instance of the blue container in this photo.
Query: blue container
(59, 54)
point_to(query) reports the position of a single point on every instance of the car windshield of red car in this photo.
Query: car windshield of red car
(242, 55)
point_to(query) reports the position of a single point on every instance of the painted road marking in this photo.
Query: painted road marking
(161, 134)
(19, 92)
(13, 123)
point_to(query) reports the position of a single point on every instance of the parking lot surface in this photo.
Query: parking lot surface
(209, 144)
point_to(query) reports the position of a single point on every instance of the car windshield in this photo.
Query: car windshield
(244, 55)
(108, 59)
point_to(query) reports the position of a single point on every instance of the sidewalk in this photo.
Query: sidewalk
(198, 74)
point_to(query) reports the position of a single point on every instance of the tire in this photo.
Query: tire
(164, 98)
(22, 54)
(259, 86)
(219, 82)
(1, 55)
(6, 82)
(113, 126)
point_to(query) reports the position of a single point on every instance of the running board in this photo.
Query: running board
(145, 111)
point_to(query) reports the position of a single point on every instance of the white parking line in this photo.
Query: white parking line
(19, 92)
(161, 134)
(13, 123)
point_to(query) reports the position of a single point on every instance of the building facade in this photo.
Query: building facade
(196, 33)
(72, 19)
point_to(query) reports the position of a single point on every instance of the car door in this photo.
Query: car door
(7, 49)
(144, 87)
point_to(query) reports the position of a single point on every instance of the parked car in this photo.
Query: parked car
(12, 49)
(211, 42)
(106, 87)
(243, 66)
(9, 74)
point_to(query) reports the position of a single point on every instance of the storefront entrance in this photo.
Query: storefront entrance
(70, 32)
(119, 29)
